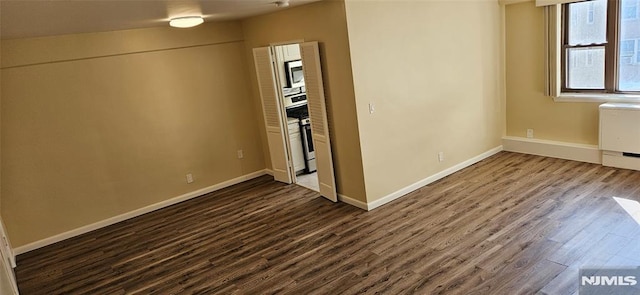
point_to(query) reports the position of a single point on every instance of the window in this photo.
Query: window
(627, 52)
(585, 46)
(630, 52)
(629, 9)
(593, 60)
(591, 13)
(590, 54)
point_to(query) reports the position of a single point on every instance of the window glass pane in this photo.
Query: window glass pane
(629, 61)
(629, 9)
(585, 68)
(588, 22)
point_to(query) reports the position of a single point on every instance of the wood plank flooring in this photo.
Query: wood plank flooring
(511, 224)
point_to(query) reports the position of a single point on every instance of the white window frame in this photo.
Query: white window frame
(553, 43)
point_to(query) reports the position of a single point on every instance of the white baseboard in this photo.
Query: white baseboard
(353, 202)
(134, 213)
(442, 174)
(554, 149)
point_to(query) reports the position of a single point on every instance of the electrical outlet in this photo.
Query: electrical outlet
(240, 154)
(529, 133)
(189, 178)
(441, 156)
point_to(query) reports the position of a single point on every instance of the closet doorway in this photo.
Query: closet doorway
(293, 103)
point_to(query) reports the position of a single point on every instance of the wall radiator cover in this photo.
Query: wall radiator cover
(620, 135)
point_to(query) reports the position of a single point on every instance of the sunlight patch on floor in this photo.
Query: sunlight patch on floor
(631, 206)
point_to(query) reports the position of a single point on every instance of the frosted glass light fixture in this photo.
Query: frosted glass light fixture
(186, 22)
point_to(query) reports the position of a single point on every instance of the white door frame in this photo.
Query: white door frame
(9, 258)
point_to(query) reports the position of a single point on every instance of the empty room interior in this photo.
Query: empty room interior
(319, 147)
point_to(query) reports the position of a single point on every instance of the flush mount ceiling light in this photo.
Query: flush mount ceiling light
(186, 21)
(284, 3)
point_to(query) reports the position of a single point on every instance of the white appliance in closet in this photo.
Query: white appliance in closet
(293, 125)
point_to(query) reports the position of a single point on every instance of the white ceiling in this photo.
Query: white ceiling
(36, 18)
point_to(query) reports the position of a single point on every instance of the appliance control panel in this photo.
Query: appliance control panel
(295, 100)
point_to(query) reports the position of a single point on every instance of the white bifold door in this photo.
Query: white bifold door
(274, 115)
(318, 115)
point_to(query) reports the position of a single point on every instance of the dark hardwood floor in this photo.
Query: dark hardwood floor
(511, 224)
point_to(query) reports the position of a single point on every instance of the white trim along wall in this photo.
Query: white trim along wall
(548, 148)
(194, 194)
(414, 186)
(135, 213)
(555, 149)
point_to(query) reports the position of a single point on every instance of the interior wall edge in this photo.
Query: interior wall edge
(509, 2)
(27, 51)
(118, 54)
(433, 178)
(122, 217)
(527, 105)
(554, 149)
(353, 202)
(324, 22)
(503, 68)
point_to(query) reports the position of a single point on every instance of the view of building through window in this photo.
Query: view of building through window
(629, 62)
(586, 65)
(586, 41)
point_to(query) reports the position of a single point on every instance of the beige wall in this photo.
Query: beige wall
(5, 277)
(433, 71)
(527, 107)
(96, 125)
(323, 22)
